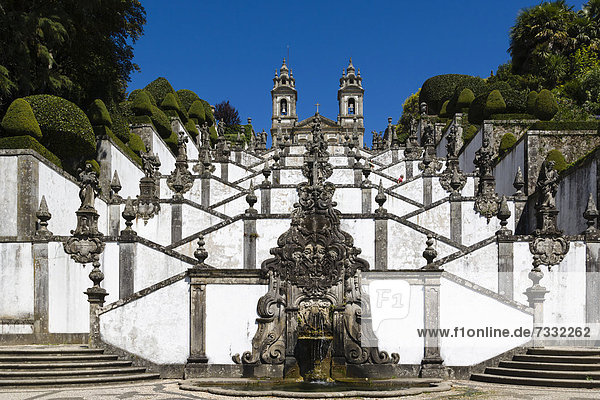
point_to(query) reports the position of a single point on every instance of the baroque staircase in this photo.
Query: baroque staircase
(64, 365)
(556, 367)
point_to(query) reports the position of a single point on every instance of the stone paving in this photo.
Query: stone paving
(168, 389)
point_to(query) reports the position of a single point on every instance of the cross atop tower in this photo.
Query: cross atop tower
(317, 104)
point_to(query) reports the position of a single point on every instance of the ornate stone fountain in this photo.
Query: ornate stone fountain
(314, 319)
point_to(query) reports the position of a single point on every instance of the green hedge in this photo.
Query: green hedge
(95, 165)
(560, 164)
(566, 125)
(531, 98)
(119, 115)
(159, 88)
(495, 103)
(197, 111)
(477, 109)
(28, 142)
(438, 89)
(171, 141)
(469, 133)
(507, 142)
(444, 109)
(511, 116)
(545, 105)
(170, 103)
(140, 120)
(190, 127)
(66, 130)
(98, 114)
(136, 144)
(141, 104)
(134, 94)
(161, 122)
(187, 98)
(19, 120)
(465, 98)
(208, 115)
(104, 131)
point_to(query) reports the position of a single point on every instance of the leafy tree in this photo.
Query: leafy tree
(227, 113)
(410, 112)
(79, 50)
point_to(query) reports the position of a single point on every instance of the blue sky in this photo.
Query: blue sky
(228, 50)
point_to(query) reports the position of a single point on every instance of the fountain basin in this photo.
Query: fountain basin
(347, 387)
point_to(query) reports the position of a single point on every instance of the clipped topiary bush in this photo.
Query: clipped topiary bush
(190, 127)
(208, 114)
(507, 142)
(477, 109)
(197, 111)
(170, 103)
(161, 122)
(465, 98)
(94, 164)
(469, 133)
(159, 88)
(171, 141)
(141, 104)
(444, 109)
(531, 98)
(119, 115)
(187, 98)
(136, 144)
(545, 105)
(438, 89)
(495, 103)
(19, 120)
(98, 114)
(66, 130)
(28, 142)
(560, 164)
(134, 94)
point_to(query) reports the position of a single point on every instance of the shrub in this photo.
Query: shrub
(120, 124)
(19, 120)
(187, 98)
(170, 103)
(495, 103)
(531, 98)
(208, 114)
(197, 111)
(444, 109)
(508, 116)
(161, 122)
(172, 142)
(136, 144)
(190, 127)
(469, 133)
(477, 109)
(507, 142)
(94, 164)
(465, 98)
(141, 104)
(159, 88)
(134, 94)
(213, 135)
(560, 163)
(566, 125)
(67, 132)
(98, 114)
(545, 105)
(28, 142)
(439, 88)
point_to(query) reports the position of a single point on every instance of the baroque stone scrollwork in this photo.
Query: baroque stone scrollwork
(452, 179)
(181, 179)
(314, 279)
(486, 200)
(548, 246)
(148, 202)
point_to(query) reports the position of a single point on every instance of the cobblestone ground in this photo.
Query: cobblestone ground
(168, 389)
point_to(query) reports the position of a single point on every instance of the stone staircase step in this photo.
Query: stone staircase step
(67, 372)
(531, 373)
(53, 381)
(564, 352)
(26, 350)
(558, 359)
(64, 365)
(549, 366)
(59, 357)
(514, 380)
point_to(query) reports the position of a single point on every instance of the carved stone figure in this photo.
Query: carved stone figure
(484, 158)
(547, 185)
(89, 186)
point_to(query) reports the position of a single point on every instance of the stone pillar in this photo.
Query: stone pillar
(409, 169)
(535, 295)
(432, 365)
(96, 296)
(592, 275)
(103, 150)
(394, 156)
(27, 195)
(250, 236)
(205, 191)
(358, 176)
(367, 200)
(265, 199)
(114, 219)
(197, 318)
(276, 175)
(176, 222)
(40, 286)
(225, 171)
(506, 266)
(238, 156)
(427, 190)
(127, 257)
(381, 243)
(456, 218)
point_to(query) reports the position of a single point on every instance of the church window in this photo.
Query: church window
(351, 106)
(283, 107)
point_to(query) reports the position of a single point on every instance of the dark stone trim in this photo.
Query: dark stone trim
(464, 372)
(381, 244)
(27, 195)
(206, 231)
(43, 338)
(29, 152)
(176, 222)
(250, 236)
(506, 269)
(592, 283)
(127, 257)
(41, 298)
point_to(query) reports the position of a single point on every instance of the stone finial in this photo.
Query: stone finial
(457, 181)
(519, 182)
(128, 215)
(115, 187)
(503, 216)
(251, 199)
(266, 171)
(366, 170)
(591, 215)
(430, 252)
(43, 215)
(201, 254)
(380, 199)
(276, 157)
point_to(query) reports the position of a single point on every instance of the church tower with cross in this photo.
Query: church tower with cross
(285, 125)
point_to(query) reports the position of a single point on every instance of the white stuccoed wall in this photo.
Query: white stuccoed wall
(220, 191)
(413, 190)
(393, 205)
(507, 168)
(466, 158)
(282, 200)
(152, 266)
(129, 173)
(363, 232)
(109, 260)
(155, 327)
(157, 229)
(349, 200)
(230, 320)
(195, 220)
(8, 195)
(16, 280)
(226, 246)
(479, 266)
(62, 196)
(340, 177)
(463, 307)
(239, 205)
(268, 231)
(167, 159)
(476, 227)
(435, 219)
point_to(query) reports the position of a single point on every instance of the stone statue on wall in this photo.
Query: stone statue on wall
(547, 185)
(221, 129)
(484, 158)
(89, 186)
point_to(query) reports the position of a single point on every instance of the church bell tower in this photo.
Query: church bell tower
(284, 97)
(350, 99)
